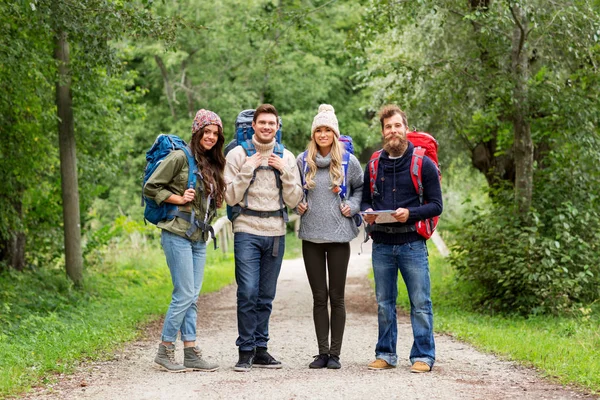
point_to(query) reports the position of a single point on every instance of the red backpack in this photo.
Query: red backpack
(425, 145)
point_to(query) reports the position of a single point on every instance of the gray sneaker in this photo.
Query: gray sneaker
(193, 361)
(165, 359)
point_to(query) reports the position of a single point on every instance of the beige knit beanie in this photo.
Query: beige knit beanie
(326, 117)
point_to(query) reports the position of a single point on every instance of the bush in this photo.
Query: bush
(530, 268)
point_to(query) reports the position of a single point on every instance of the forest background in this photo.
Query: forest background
(508, 88)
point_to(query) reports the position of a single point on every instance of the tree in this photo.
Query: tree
(81, 36)
(476, 67)
(68, 162)
(512, 82)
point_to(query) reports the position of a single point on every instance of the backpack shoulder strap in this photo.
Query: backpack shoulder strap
(416, 166)
(278, 149)
(373, 165)
(248, 147)
(344, 185)
(303, 171)
(192, 168)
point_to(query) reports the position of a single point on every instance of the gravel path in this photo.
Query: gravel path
(461, 372)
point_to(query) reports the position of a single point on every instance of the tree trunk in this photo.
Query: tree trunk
(189, 95)
(68, 163)
(12, 252)
(523, 143)
(12, 249)
(168, 87)
(496, 168)
(187, 85)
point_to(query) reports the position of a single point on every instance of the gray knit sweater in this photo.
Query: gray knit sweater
(323, 221)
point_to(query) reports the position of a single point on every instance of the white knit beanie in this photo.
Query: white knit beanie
(326, 117)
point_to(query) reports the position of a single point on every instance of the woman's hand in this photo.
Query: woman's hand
(302, 207)
(188, 196)
(345, 208)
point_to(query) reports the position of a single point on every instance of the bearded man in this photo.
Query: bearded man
(397, 246)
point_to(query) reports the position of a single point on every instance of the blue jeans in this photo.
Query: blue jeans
(256, 273)
(186, 260)
(411, 260)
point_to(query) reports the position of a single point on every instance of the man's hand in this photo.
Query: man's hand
(255, 160)
(369, 218)
(401, 214)
(276, 162)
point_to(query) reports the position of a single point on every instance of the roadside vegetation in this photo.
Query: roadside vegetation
(47, 327)
(563, 347)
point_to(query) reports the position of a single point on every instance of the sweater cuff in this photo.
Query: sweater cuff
(162, 196)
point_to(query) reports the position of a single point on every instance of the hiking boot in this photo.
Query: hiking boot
(264, 360)
(334, 362)
(165, 359)
(320, 361)
(419, 367)
(193, 361)
(380, 364)
(245, 361)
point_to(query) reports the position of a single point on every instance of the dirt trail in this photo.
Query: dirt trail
(460, 372)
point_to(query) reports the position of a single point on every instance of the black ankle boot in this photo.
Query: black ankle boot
(264, 360)
(245, 361)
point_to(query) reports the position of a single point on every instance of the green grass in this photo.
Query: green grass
(47, 327)
(566, 349)
(293, 247)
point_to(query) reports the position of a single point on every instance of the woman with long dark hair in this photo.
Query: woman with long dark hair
(184, 236)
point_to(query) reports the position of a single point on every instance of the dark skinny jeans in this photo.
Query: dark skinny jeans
(320, 260)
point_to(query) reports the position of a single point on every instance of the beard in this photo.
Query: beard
(395, 146)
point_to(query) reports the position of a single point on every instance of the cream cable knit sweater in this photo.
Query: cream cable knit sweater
(263, 194)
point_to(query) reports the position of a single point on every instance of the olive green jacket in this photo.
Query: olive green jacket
(171, 177)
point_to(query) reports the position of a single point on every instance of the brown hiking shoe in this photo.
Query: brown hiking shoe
(380, 364)
(419, 367)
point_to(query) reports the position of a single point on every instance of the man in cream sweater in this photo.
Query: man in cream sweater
(259, 187)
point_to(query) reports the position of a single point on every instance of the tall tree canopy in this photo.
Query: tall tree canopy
(62, 56)
(513, 83)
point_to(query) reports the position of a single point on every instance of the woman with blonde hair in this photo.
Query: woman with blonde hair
(326, 229)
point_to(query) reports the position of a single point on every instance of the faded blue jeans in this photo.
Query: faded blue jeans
(186, 260)
(411, 259)
(256, 273)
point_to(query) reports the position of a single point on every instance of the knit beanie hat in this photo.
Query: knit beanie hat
(326, 117)
(204, 118)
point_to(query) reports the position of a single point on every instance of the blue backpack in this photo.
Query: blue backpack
(163, 145)
(346, 141)
(243, 137)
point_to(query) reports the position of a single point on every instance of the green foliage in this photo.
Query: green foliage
(463, 188)
(528, 268)
(30, 195)
(450, 65)
(565, 348)
(291, 55)
(549, 261)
